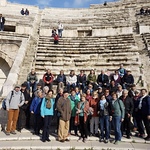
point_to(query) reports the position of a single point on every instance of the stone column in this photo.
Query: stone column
(3, 2)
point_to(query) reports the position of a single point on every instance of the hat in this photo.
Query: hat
(23, 85)
(17, 86)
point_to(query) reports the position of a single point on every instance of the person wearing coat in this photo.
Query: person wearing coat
(64, 108)
(129, 106)
(2, 22)
(117, 116)
(82, 114)
(47, 112)
(74, 99)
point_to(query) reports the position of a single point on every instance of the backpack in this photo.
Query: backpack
(4, 101)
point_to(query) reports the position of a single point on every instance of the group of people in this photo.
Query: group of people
(57, 33)
(2, 22)
(24, 12)
(83, 105)
(145, 11)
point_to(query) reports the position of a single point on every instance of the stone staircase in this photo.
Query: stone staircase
(87, 53)
(28, 62)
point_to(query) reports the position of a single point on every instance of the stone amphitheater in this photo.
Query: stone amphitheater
(98, 37)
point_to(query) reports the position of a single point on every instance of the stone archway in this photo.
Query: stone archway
(4, 71)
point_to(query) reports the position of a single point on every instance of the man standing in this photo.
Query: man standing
(144, 113)
(129, 106)
(64, 107)
(60, 29)
(2, 22)
(14, 100)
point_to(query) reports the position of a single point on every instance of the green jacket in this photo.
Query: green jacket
(91, 78)
(117, 108)
(74, 104)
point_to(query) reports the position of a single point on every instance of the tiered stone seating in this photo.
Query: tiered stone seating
(86, 53)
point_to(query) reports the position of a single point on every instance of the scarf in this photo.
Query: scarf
(140, 103)
(102, 103)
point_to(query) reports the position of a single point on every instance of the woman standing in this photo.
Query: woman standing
(47, 111)
(103, 111)
(82, 111)
(117, 113)
(94, 121)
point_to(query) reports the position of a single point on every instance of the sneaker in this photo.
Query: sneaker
(116, 142)
(7, 133)
(128, 137)
(101, 140)
(106, 141)
(13, 132)
(79, 140)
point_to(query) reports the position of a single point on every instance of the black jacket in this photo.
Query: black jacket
(3, 20)
(105, 79)
(81, 79)
(128, 103)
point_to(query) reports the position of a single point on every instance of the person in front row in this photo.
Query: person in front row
(103, 112)
(35, 110)
(14, 100)
(47, 112)
(117, 116)
(64, 108)
(82, 112)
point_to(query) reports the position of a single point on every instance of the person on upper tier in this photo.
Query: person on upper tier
(71, 80)
(122, 72)
(2, 22)
(22, 11)
(103, 80)
(48, 79)
(60, 29)
(56, 39)
(32, 80)
(142, 11)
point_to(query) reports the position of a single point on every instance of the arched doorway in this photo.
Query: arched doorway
(4, 71)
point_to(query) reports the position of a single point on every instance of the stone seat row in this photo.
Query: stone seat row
(13, 34)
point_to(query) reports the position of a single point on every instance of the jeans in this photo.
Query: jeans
(82, 86)
(33, 85)
(70, 85)
(104, 124)
(1, 26)
(60, 32)
(117, 127)
(47, 122)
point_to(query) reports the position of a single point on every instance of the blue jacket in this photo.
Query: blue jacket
(36, 105)
(46, 111)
